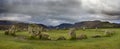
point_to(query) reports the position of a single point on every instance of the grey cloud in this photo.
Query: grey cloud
(54, 12)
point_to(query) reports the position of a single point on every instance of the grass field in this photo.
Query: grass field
(113, 42)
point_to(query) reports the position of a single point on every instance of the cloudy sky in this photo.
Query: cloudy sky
(55, 12)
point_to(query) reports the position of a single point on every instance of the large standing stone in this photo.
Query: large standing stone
(72, 34)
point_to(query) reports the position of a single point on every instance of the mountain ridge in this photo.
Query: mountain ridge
(87, 24)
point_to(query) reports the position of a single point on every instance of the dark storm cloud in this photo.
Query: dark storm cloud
(2, 9)
(54, 12)
(112, 13)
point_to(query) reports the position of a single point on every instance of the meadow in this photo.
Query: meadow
(113, 42)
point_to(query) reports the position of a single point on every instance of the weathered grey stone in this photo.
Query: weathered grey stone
(82, 36)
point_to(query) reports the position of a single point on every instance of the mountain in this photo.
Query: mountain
(5, 24)
(88, 24)
(64, 26)
(94, 24)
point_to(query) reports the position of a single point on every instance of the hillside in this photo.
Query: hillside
(94, 24)
(89, 24)
(4, 24)
(64, 26)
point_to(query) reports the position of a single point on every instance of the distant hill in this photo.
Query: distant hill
(5, 24)
(64, 26)
(94, 24)
(88, 24)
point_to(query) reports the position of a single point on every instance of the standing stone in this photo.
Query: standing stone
(82, 36)
(12, 30)
(45, 36)
(83, 28)
(72, 34)
(108, 33)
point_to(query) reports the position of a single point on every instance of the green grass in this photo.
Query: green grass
(9, 42)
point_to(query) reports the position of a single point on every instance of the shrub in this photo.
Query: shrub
(13, 34)
(72, 34)
(82, 36)
(32, 37)
(6, 32)
(61, 38)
